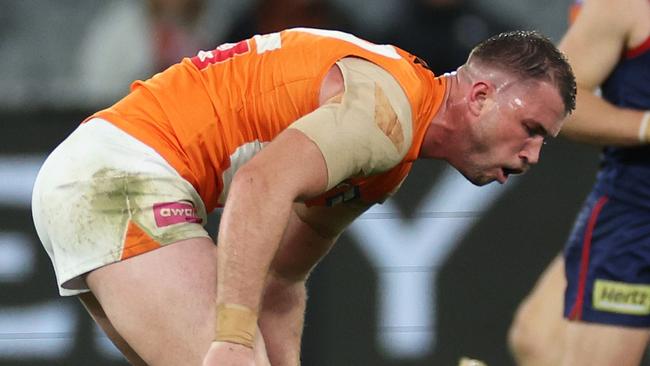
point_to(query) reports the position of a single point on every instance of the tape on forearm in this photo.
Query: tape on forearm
(644, 132)
(236, 324)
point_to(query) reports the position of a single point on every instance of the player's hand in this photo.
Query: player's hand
(229, 354)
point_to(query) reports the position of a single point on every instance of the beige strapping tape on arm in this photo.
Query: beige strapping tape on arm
(236, 324)
(369, 131)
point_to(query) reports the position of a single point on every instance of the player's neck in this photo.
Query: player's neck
(441, 127)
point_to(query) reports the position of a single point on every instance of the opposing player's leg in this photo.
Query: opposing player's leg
(163, 302)
(99, 316)
(590, 344)
(537, 334)
(608, 283)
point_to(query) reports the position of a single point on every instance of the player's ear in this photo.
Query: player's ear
(480, 95)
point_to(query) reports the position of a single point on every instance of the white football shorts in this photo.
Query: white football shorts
(103, 196)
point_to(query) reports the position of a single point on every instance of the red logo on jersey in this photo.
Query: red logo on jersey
(222, 53)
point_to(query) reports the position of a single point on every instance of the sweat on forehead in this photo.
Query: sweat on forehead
(498, 77)
(529, 56)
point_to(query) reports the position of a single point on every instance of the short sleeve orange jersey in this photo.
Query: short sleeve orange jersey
(209, 114)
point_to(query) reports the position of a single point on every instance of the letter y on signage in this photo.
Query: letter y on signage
(408, 255)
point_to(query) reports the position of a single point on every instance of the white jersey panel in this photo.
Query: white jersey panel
(240, 157)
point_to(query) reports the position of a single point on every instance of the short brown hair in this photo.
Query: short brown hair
(530, 55)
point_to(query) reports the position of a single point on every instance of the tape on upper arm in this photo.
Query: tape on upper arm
(367, 131)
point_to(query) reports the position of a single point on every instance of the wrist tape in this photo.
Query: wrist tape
(644, 132)
(236, 324)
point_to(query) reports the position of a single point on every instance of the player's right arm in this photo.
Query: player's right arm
(593, 45)
(289, 169)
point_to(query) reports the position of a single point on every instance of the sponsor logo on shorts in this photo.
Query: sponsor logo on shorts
(169, 213)
(621, 297)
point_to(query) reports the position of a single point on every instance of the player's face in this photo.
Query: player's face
(510, 131)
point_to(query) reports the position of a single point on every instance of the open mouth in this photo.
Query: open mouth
(509, 171)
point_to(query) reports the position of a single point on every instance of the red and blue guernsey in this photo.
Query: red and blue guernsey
(626, 171)
(608, 253)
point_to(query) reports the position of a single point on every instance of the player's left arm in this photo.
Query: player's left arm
(593, 45)
(309, 235)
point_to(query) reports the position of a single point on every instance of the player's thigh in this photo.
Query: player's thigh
(538, 324)
(162, 302)
(603, 345)
(95, 310)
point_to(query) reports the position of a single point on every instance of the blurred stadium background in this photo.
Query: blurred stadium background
(433, 274)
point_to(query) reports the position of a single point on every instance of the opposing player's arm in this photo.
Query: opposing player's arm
(593, 45)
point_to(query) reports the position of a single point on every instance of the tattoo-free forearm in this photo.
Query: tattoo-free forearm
(256, 214)
(281, 319)
(598, 122)
(249, 235)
